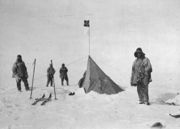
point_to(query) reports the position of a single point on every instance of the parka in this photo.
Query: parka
(141, 71)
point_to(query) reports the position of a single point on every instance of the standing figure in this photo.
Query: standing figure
(141, 75)
(63, 74)
(50, 75)
(20, 73)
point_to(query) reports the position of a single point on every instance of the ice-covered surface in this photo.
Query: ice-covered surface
(174, 101)
(53, 29)
(82, 110)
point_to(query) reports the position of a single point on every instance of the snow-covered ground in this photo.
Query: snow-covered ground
(53, 29)
(83, 111)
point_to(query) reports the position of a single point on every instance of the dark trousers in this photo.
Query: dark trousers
(50, 80)
(18, 81)
(64, 78)
(143, 92)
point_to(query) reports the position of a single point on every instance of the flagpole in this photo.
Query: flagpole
(89, 42)
(87, 24)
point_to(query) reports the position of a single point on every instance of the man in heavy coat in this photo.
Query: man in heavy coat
(141, 75)
(20, 73)
(63, 74)
(50, 75)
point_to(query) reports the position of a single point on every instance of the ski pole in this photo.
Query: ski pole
(33, 78)
(54, 84)
(54, 89)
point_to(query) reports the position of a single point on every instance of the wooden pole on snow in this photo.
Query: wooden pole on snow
(33, 78)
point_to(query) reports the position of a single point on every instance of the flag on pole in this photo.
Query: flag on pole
(86, 23)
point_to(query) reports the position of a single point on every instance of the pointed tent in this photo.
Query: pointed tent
(96, 80)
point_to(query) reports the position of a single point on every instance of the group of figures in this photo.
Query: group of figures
(20, 73)
(140, 77)
(63, 75)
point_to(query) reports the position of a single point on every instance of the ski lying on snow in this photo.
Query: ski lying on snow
(38, 99)
(46, 100)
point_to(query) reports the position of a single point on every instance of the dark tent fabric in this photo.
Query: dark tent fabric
(96, 80)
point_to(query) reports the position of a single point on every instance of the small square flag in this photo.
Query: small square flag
(86, 23)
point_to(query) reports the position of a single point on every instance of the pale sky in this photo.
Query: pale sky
(53, 29)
